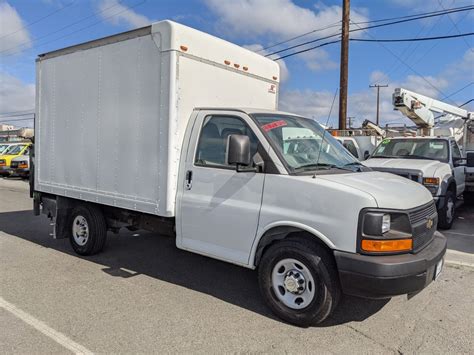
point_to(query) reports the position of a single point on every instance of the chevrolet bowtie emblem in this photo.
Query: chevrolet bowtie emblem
(429, 223)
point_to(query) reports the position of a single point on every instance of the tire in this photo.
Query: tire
(321, 283)
(88, 230)
(447, 212)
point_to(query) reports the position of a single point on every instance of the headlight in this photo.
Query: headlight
(2, 162)
(385, 232)
(431, 181)
(376, 224)
(385, 223)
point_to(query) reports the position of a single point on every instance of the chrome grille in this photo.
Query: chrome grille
(422, 235)
(423, 213)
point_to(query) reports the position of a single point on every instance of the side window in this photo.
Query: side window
(212, 146)
(350, 146)
(455, 149)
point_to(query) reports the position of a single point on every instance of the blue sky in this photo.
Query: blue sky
(440, 68)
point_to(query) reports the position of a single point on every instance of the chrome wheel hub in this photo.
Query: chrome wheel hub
(293, 283)
(80, 230)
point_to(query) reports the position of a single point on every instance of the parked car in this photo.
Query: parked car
(20, 166)
(13, 151)
(255, 187)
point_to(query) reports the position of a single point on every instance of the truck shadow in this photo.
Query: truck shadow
(130, 254)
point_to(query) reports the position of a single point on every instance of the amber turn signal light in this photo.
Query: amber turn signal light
(381, 246)
(430, 181)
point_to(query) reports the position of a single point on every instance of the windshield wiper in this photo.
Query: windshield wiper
(320, 165)
(383, 156)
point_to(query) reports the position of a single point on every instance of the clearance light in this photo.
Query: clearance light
(430, 181)
(275, 78)
(381, 246)
(245, 68)
(237, 65)
(184, 48)
(227, 62)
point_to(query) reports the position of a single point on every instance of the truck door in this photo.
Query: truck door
(218, 208)
(459, 171)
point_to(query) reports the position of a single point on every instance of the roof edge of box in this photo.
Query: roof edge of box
(119, 37)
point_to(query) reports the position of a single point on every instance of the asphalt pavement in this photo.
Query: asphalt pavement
(142, 295)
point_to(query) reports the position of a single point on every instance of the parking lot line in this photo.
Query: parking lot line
(45, 329)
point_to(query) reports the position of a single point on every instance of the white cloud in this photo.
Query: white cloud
(115, 13)
(15, 95)
(258, 48)
(309, 103)
(282, 19)
(13, 37)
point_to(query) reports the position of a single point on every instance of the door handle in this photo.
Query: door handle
(189, 180)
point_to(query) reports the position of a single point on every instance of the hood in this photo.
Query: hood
(427, 167)
(388, 190)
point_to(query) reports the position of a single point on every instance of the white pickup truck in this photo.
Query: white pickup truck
(146, 130)
(435, 162)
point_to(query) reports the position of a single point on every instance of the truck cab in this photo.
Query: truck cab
(435, 162)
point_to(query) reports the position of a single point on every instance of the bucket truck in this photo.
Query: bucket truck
(436, 157)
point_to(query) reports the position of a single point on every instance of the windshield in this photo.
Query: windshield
(433, 149)
(3, 147)
(304, 144)
(14, 149)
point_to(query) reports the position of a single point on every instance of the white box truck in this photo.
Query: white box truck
(151, 129)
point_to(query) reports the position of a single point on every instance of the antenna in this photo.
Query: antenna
(327, 122)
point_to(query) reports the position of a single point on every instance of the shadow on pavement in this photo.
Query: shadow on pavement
(129, 254)
(461, 235)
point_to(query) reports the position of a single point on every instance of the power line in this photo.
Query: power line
(412, 39)
(455, 25)
(335, 24)
(72, 24)
(454, 10)
(38, 20)
(378, 40)
(407, 65)
(458, 91)
(306, 50)
(407, 16)
(13, 112)
(16, 120)
(19, 115)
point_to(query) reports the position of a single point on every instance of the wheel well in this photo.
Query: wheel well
(276, 234)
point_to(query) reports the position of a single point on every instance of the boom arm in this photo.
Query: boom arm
(421, 109)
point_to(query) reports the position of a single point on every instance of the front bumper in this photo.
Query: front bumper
(5, 170)
(391, 275)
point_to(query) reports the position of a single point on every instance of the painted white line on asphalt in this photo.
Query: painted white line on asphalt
(45, 329)
(457, 233)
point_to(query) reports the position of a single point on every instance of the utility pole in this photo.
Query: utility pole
(350, 120)
(378, 98)
(344, 64)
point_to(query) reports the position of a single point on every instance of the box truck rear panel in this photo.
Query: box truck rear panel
(111, 117)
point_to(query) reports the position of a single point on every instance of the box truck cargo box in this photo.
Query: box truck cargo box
(113, 111)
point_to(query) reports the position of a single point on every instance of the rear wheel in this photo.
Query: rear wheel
(447, 211)
(299, 282)
(88, 230)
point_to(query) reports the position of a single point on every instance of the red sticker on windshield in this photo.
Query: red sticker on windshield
(273, 125)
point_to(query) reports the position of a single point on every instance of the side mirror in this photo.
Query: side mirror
(238, 150)
(459, 162)
(470, 159)
(366, 155)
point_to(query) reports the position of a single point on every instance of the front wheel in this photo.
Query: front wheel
(88, 230)
(299, 282)
(447, 211)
